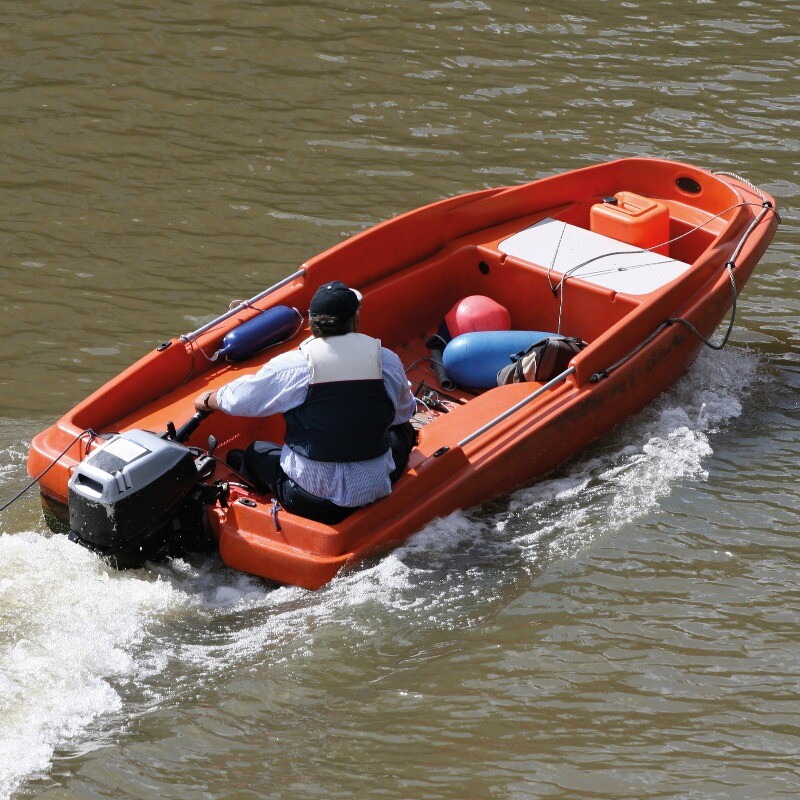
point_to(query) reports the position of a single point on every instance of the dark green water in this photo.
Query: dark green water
(624, 629)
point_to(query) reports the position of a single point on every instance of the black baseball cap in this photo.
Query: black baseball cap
(336, 300)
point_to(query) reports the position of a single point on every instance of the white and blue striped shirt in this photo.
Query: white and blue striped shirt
(282, 384)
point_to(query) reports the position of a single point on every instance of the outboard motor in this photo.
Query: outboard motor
(137, 498)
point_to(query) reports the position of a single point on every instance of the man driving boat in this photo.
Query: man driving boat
(347, 404)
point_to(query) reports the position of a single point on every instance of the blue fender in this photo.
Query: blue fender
(270, 327)
(474, 359)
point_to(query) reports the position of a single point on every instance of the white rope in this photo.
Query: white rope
(744, 181)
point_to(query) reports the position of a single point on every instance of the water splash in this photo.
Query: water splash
(74, 634)
(68, 628)
(638, 464)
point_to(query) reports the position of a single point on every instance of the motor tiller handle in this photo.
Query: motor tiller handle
(188, 428)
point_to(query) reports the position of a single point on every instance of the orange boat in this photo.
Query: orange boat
(640, 258)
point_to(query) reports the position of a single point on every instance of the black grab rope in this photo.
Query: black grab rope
(730, 265)
(598, 376)
(48, 467)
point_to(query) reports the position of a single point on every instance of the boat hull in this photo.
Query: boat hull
(639, 345)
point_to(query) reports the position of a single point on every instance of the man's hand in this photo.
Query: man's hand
(206, 401)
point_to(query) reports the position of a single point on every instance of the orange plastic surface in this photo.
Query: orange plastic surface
(636, 220)
(411, 271)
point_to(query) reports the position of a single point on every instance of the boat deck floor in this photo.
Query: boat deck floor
(418, 362)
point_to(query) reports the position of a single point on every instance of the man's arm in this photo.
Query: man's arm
(279, 385)
(206, 401)
(398, 387)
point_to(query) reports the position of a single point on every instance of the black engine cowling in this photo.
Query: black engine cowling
(136, 498)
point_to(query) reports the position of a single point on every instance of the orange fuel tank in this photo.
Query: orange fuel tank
(633, 219)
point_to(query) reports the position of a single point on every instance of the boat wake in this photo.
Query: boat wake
(69, 629)
(623, 478)
(84, 648)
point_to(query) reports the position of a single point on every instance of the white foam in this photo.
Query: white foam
(643, 460)
(68, 627)
(11, 459)
(73, 632)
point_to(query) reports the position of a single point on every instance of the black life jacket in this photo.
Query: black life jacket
(347, 412)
